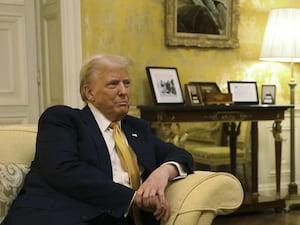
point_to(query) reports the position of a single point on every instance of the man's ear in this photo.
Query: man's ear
(88, 91)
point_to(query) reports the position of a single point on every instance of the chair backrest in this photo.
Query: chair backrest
(216, 155)
(211, 133)
(206, 132)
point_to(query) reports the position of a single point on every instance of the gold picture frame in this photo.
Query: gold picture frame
(182, 28)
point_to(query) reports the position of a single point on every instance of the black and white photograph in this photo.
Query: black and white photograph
(165, 85)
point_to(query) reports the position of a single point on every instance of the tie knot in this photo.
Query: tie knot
(114, 125)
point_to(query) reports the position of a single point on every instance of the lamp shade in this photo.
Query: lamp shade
(282, 36)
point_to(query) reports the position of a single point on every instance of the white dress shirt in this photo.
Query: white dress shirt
(119, 174)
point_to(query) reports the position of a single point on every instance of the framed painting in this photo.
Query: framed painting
(202, 23)
(165, 85)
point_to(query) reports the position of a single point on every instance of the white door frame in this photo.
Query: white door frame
(72, 50)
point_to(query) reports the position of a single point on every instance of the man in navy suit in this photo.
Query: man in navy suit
(76, 177)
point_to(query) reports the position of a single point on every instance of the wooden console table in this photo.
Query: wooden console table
(233, 113)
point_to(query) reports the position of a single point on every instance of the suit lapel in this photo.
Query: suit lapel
(136, 141)
(90, 121)
(96, 135)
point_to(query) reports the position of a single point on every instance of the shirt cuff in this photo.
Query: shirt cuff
(181, 169)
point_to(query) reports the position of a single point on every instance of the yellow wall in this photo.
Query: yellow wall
(135, 28)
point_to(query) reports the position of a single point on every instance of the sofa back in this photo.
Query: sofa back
(17, 143)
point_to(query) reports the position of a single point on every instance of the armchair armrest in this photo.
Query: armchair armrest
(201, 196)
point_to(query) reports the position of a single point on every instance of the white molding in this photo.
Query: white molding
(267, 172)
(13, 119)
(72, 50)
(12, 2)
(15, 91)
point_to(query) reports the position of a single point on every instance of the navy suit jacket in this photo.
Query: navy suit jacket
(70, 180)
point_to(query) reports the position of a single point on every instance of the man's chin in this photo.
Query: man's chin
(124, 108)
(122, 111)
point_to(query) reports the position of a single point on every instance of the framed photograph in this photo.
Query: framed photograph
(208, 87)
(212, 23)
(165, 85)
(268, 94)
(193, 95)
(243, 92)
(197, 92)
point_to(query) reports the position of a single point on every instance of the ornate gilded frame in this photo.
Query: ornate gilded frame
(227, 40)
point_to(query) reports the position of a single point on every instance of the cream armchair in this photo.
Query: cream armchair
(197, 199)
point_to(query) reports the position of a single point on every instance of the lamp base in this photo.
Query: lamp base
(292, 200)
(293, 188)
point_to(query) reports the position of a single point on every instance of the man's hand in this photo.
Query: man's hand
(151, 194)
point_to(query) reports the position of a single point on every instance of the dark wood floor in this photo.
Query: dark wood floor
(268, 217)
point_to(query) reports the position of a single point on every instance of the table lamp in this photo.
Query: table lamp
(281, 43)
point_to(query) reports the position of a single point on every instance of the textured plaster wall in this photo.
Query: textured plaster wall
(136, 28)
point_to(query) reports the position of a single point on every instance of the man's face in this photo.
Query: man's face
(110, 93)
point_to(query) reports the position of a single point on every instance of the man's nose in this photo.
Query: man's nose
(122, 88)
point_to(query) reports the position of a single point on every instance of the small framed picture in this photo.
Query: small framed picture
(243, 92)
(206, 88)
(193, 95)
(268, 94)
(165, 85)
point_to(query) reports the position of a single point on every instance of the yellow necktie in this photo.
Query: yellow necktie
(127, 159)
(129, 163)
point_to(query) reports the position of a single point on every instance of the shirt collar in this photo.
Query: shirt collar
(101, 120)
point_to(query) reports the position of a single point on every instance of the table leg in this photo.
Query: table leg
(254, 201)
(233, 131)
(278, 149)
(254, 157)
